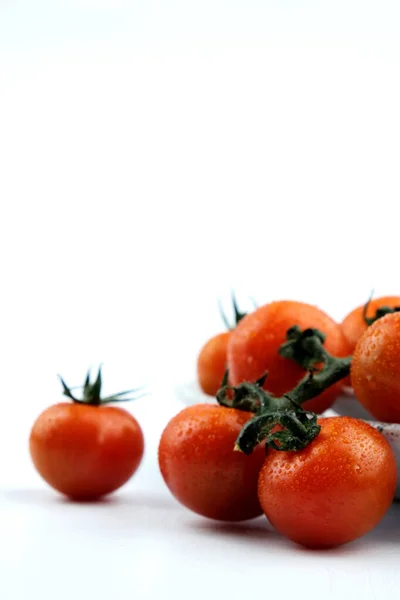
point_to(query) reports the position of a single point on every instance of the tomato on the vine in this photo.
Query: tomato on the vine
(354, 324)
(200, 467)
(375, 369)
(211, 361)
(253, 348)
(83, 449)
(334, 490)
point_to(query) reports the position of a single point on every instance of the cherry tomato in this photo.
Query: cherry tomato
(333, 491)
(211, 363)
(254, 344)
(201, 468)
(353, 325)
(86, 451)
(375, 369)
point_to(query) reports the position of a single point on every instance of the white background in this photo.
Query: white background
(154, 155)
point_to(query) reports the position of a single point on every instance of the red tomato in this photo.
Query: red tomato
(375, 369)
(86, 451)
(254, 344)
(211, 363)
(353, 326)
(201, 468)
(335, 490)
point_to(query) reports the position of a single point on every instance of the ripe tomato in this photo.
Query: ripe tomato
(253, 348)
(86, 451)
(375, 369)
(201, 468)
(211, 363)
(353, 325)
(335, 490)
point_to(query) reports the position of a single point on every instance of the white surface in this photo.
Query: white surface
(153, 155)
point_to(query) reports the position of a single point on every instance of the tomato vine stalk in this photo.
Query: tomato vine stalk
(281, 421)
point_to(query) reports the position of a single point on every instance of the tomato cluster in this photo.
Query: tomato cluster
(261, 447)
(369, 333)
(329, 487)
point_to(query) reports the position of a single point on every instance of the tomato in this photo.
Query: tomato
(211, 363)
(253, 348)
(86, 451)
(353, 325)
(375, 369)
(333, 491)
(200, 467)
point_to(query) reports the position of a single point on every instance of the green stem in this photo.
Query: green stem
(316, 382)
(306, 347)
(281, 421)
(92, 392)
(238, 315)
(380, 312)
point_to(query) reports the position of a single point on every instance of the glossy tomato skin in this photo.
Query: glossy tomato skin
(201, 468)
(353, 325)
(375, 369)
(211, 363)
(335, 490)
(86, 452)
(254, 344)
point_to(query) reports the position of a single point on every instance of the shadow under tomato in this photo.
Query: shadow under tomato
(148, 500)
(41, 497)
(102, 501)
(133, 499)
(250, 530)
(345, 550)
(260, 533)
(387, 531)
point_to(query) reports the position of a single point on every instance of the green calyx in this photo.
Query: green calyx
(238, 315)
(297, 429)
(297, 426)
(380, 312)
(281, 421)
(246, 396)
(304, 347)
(92, 392)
